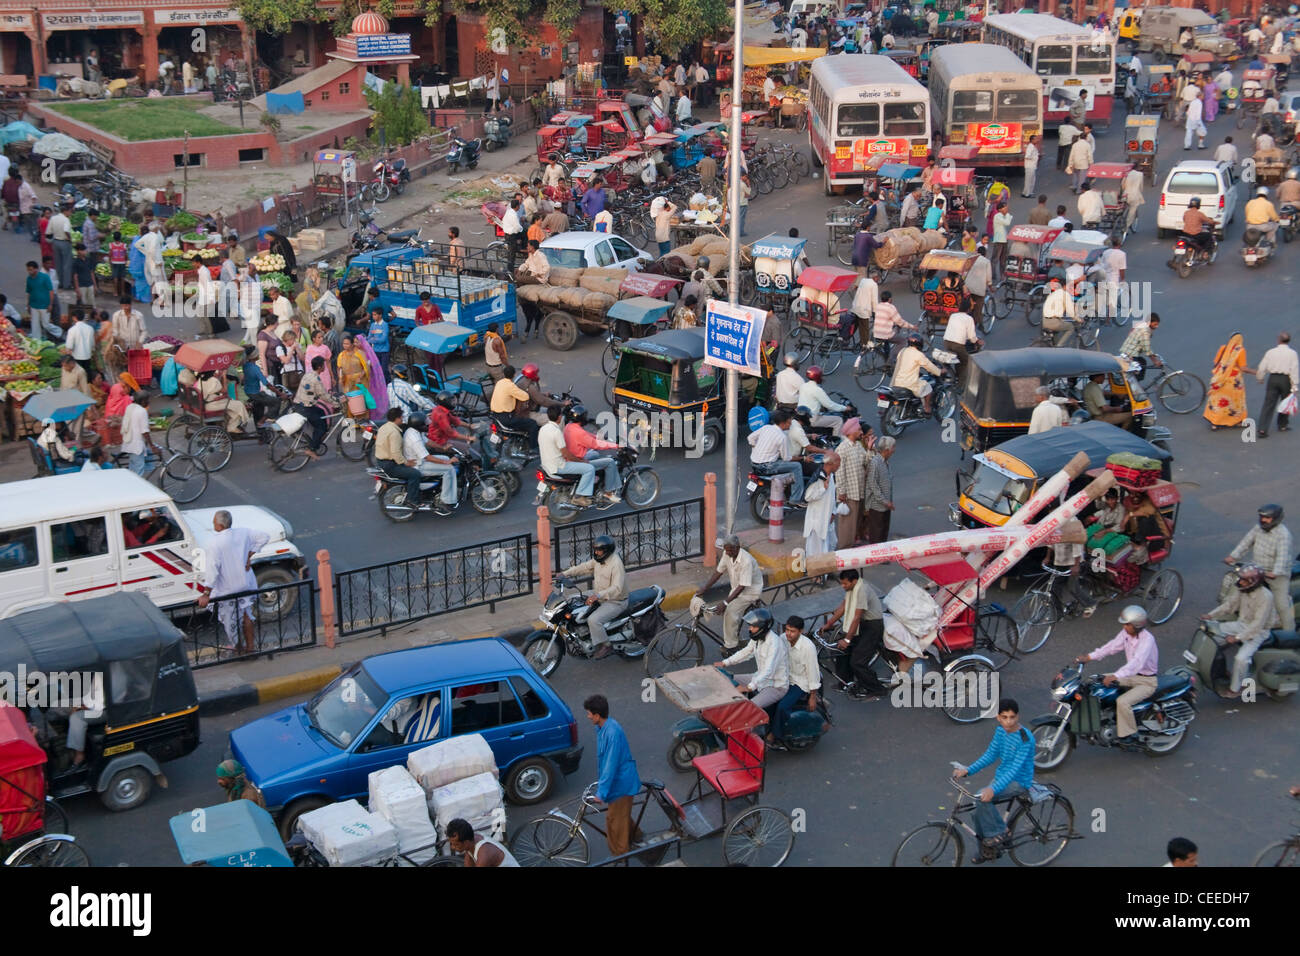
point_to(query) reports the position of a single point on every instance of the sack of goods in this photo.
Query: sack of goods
(478, 799)
(911, 619)
(395, 796)
(347, 835)
(450, 760)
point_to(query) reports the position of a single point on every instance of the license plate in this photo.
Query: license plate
(882, 403)
(751, 487)
(1180, 252)
(495, 438)
(379, 485)
(1189, 657)
(1250, 258)
(541, 486)
(1287, 688)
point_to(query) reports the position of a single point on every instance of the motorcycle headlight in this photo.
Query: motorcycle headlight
(548, 613)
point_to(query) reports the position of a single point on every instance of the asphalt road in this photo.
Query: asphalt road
(880, 772)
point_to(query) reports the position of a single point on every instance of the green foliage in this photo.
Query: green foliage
(277, 16)
(514, 16)
(679, 23)
(398, 117)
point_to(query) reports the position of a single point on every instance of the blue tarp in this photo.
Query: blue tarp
(19, 131)
(778, 247)
(440, 338)
(235, 834)
(279, 104)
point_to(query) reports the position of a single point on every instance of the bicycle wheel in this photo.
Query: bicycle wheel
(1034, 306)
(780, 175)
(1163, 595)
(801, 343)
(961, 691)
(50, 851)
(1089, 334)
(676, 647)
(792, 168)
(347, 213)
(1181, 392)
(762, 180)
(933, 844)
(549, 842)
(761, 836)
(284, 219)
(1035, 614)
(830, 353)
(1282, 853)
(843, 248)
(299, 216)
(800, 161)
(870, 370)
(1004, 303)
(56, 818)
(212, 445)
(184, 478)
(352, 441)
(289, 452)
(180, 431)
(609, 358)
(1041, 831)
(997, 637)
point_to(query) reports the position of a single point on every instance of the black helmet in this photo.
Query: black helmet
(399, 370)
(417, 420)
(602, 547)
(915, 341)
(1194, 202)
(703, 263)
(804, 414)
(578, 413)
(444, 399)
(1272, 512)
(759, 617)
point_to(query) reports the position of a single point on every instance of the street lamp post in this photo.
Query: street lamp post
(733, 263)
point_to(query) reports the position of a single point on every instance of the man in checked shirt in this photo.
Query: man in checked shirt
(1269, 547)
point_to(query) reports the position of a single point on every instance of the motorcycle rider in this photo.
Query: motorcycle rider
(444, 430)
(771, 453)
(1249, 614)
(1198, 228)
(529, 379)
(1139, 673)
(1012, 749)
(814, 398)
(429, 465)
(557, 462)
(390, 456)
(1288, 191)
(788, 383)
(1269, 547)
(805, 679)
(907, 371)
(582, 445)
(1262, 215)
(608, 589)
(772, 655)
(702, 285)
(509, 405)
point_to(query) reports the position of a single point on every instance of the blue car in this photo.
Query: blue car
(379, 711)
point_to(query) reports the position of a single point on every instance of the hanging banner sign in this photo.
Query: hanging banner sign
(165, 18)
(82, 21)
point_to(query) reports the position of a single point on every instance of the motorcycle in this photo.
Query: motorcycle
(1187, 256)
(759, 487)
(639, 487)
(1275, 666)
(391, 176)
(485, 490)
(1286, 224)
(565, 617)
(1256, 247)
(496, 132)
(369, 236)
(899, 407)
(694, 737)
(463, 152)
(1085, 711)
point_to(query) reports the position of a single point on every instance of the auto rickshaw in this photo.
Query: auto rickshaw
(1025, 275)
(1001, 389)
(665, 378)
(938, 304)
(1108, 179)
(778, 261)
(134, 692)
(1142, 142)
(907, 59)
(998, 481)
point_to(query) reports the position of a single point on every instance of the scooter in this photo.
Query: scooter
(759, 487)
(1257, 247)
(900, 408)
(369, 236)
(565, 616)
(693, 737)
(1287, 218)
(496, 132)
(1275, 666)
(1187, 256)
(1085, 711)
(463, 152)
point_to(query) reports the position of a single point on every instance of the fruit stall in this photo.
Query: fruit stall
(27, 366)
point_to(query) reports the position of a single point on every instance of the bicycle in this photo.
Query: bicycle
(873, 366)
(351, 438)
(1179, 392)
(1042, 819)
(1283, 852)
(678, 645)
(52, 846)
(1041, 608)
(291, 215)
(182, 476)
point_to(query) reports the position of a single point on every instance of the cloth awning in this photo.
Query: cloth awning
(767, 55)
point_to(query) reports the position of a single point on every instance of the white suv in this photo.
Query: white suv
(1216, 185)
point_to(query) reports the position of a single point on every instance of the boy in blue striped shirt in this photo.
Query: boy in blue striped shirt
(1012, 749)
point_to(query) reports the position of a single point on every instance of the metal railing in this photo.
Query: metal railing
(399, 592)
(284, 619)
(664, 534)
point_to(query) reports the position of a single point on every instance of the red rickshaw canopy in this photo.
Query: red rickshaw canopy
(827, 278)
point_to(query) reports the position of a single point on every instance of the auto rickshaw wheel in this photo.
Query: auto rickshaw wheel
(560, 330)
(128, 789)
(711, 439)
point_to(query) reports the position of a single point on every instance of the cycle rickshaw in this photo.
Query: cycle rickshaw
(824, 297)
(775, 260)
(1025, 275)
(937, 305)
(1079, 251)
(755, 836)
(33, 828)
(1256, 87)
(1108, 179)
(961, 197)
(1161, 99)
(200, 428)
(1142, 140)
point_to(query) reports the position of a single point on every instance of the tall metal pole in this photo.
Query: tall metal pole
(185, 173)
(733, 262)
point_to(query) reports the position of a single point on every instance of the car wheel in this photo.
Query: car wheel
(275, 604)
(289, 819)
(530, 781)
(128, 789)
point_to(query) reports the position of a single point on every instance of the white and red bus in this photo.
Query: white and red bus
(864, 110)
(982, 96)
(1067, 57)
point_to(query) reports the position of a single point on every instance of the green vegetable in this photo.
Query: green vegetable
(128, 230)
(277, 279)
(78, 218)
(182, 220)
(195, 237)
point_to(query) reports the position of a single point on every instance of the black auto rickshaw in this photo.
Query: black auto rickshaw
(119, 664)
(1001, 389)
(665, 378)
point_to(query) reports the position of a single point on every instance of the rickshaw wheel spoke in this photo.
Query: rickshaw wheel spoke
(961, 698)
(1181, 393)
(549, 842)
(761, 836)
(1164, 595)
(56, 818)
(50, 852)
(675, 647)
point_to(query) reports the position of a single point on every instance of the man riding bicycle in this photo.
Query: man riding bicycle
(1012, 749)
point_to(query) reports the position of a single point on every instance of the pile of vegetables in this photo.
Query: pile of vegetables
(182, 220)
(277, 279)
(267, 262)
(195, 237)
(103, 270)
(207, 254)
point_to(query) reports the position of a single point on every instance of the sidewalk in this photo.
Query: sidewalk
(228, 688)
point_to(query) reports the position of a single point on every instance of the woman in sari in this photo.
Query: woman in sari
(377, 384)
(1226, 405)
(1211, 100)
(353, 368)
(119, 396)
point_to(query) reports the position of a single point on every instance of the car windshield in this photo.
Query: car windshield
(341, 711)
(996, 491)
(565, 258)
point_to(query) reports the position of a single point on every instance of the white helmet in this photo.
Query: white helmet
(1133, 614)
(1262, 191)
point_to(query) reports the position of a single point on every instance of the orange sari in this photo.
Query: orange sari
(1226, 404)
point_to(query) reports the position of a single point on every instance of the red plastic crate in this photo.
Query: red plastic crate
(1132, 476)
(139, 363)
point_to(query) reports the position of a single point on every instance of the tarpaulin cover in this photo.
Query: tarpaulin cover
(767, 55)
(279, 104)
(18, 131)
(58, 146)
(22, 776)
(239, 833)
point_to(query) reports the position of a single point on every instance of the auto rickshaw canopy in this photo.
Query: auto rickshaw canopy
(1001, 385)
(1046, 453)
(238, 833)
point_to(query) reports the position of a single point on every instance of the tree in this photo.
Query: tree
(277, 16)
(512, 17)
(679, 23)
(398, 118)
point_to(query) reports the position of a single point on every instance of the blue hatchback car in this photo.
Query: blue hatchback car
(379, 711)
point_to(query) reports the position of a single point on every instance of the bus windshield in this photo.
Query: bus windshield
(905, 119)
(1018, 106)
(974, 106)
(1055, 59)
(858, 119)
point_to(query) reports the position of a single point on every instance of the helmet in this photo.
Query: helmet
(1272, 512)
(702, 263)
(1249, 577)
(791, 360)
(1293, 172)
(814, 373)
(398, 369)
(1194, 202)
(759, 617)
(1133, 614)
(1262, 191)
(915, 341)
(444, 399)
(530, 371)
(578, 413)
(417, 420)
(803, 413)
(603, 547)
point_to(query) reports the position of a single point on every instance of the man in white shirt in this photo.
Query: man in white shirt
(745, 579)
(1195, 119)
(556, 461)
(1279, 372)
(805, 679)
(81, 341)
(513, 230)
(1224, 79)
(1091, 207)
(1114, 263)
(788, 383)
(135, 434)
(1048, 413)
(957, 335)
(814, 398)
(1066, 134)
(771, 454)
(1226, 152)
(416, 452)
(683, 109)
(1031, 167)
(1133, 197)
(888, 321)
(909, 214)
(282, 309)
(772, 655)
(1080, 159)
(1058, 313)
(978, 279)
(229, 571)
(865, 301)
(59, 231)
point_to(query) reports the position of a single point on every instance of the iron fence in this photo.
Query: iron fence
(664, 534)
(284, 619)
(399, 592)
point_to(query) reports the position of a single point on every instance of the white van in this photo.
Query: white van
(1214, 182)
(88, 534)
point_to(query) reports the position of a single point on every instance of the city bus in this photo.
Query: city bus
(1067, 57)
(984, 95)
(864, 110)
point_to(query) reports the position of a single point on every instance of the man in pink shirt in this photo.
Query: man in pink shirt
(581, 444)
(1139, 674)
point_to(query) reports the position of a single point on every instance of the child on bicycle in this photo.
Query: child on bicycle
(1012, 749)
